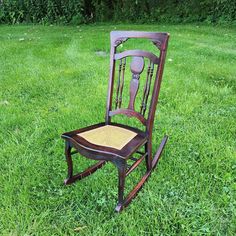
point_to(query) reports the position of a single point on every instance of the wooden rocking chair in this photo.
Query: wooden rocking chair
(118, 143)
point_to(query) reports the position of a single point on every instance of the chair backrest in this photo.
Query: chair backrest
(155, 64)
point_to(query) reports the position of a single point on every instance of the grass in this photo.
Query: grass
(52, 81)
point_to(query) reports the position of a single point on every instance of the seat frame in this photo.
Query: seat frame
(120, 158)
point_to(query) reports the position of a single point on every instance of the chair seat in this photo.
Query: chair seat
(113, 139)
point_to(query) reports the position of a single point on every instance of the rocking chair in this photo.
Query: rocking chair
(117, 143)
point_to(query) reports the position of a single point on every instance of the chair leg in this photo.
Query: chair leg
(121, 186)
(121, 165)
(69, 160)
(148, 158)
(125, 202)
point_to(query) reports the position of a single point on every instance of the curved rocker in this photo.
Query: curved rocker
(85, 173)
(123, 173)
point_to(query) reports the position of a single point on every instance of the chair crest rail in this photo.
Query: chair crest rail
(158, 38)
(137, 53)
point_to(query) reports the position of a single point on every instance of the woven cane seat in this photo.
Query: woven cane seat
(115, 139)
(109, 136)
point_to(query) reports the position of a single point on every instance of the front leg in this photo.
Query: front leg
(121, 165)
(69, 161)
(74, 177)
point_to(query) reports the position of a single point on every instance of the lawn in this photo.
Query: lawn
(52, 81)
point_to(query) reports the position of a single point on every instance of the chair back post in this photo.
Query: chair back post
(157, 86)
(111, 82)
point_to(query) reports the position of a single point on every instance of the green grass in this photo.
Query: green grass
(51, 81)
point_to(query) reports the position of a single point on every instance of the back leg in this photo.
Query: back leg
(148, 158)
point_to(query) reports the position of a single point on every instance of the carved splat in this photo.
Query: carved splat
(137, 65)
(136, 68)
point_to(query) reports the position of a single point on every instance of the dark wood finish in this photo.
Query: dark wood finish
(143, 138)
